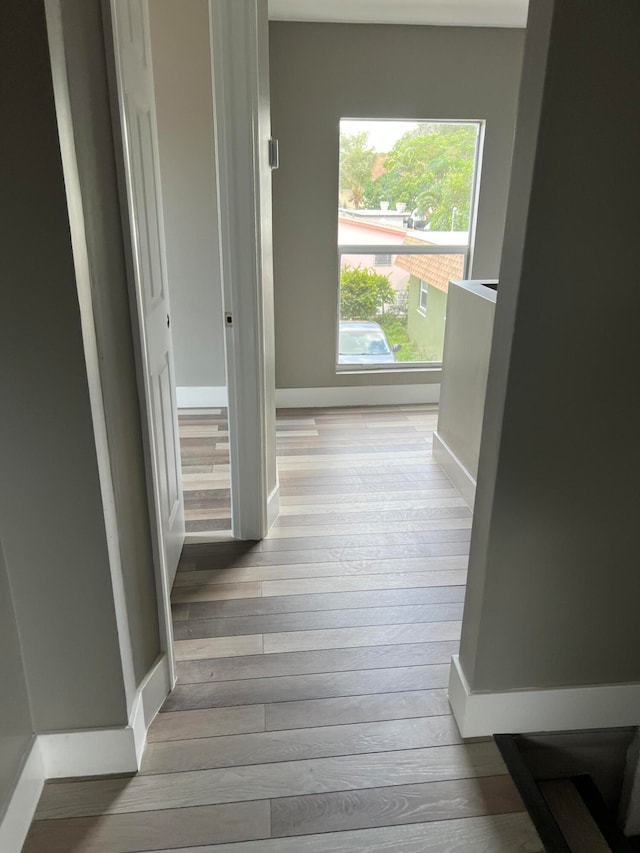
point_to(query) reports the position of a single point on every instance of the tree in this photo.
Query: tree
(431, 170)
(363, 292)
(356, 164)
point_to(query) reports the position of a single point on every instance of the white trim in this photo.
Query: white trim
(97, 752)
(598, 706)
(357, 395)
(464, 13)
(153, 690)
(273, 506)
(92, 752)
(405, 249)
(198, 537)
(17, 818)
(239, 57)
(163, 589)
(424, 290)
(202, 396)
(454, 469)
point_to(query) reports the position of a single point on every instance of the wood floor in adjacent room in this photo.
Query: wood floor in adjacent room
(310, 714)
(204, 448)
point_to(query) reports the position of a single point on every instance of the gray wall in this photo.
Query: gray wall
(94, 147)
(322, 72)
(467, 345)
(182, 77)
(554, 578)
(16, 728)
(51, 518)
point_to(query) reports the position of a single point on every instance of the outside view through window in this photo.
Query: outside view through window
(404, 211)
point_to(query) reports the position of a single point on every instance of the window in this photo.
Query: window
(422, 307)
(405, 213)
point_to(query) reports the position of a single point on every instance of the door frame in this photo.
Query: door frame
(244, 264)
(238, 37)
(163, 592)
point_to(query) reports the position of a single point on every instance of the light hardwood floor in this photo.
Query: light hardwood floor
(204, 446)
(311, 714)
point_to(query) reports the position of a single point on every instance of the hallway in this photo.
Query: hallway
(311, 703)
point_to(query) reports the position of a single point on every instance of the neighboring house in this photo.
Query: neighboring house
(355, 232)
(426, 277)
(429, 277)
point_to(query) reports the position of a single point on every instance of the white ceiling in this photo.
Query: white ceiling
(456, 13)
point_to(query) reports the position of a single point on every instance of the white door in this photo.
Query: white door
(137, 110)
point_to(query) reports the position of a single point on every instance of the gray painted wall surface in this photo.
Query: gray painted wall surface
(94, 148)
(554, 581)
(467, 345)
(51, 518)
(16, 728)
(322, 72)
(184, 106)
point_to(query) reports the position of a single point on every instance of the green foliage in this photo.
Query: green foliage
(363, 292)
(395, 328)
(356, 163)
(429, 169)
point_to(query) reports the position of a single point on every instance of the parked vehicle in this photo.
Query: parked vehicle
(417, 220)
(363, 342)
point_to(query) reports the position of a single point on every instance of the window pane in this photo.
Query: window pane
(405, 176)
(402, 183)
(424, 289)
(396, 314)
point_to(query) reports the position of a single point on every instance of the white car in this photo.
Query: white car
(364, 342)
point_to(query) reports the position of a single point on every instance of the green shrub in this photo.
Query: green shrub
(363, 293)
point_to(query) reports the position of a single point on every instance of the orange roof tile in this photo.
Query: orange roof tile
(437, 270)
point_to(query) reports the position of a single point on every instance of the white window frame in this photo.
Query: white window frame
(424, 289)
(465, 249)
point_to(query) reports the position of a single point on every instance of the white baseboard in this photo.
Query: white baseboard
(357, 395)
(17, 818)
(198, 537)
(91, 752)
(273, 506)
(515, 711)
(201, 397)
(454, 469)
(155, 688)
(97, 752)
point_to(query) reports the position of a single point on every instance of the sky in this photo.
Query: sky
(382, 134)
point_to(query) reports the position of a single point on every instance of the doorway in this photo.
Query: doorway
(228, 428)
(183, 89)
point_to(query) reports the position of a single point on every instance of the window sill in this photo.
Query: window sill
(399, 367)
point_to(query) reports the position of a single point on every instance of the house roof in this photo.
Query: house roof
(436, 270)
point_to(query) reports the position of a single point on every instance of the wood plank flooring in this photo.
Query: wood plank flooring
(204, 446)
(310, 714)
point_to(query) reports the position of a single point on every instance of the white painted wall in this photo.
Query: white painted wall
(182, 76)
